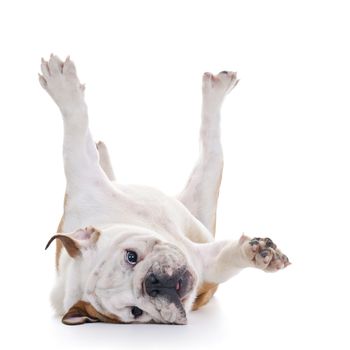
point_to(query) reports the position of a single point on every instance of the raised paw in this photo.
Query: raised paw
(61, 82)
(216, 87)
(263, 253)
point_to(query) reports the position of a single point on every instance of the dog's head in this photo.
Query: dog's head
(128, 274)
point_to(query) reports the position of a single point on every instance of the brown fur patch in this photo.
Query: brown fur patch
(59, 247)
(70, 244)
(207, 290)
(216, 198)
(204, 294)
(85, 312)
(73, 243)
(59, 244)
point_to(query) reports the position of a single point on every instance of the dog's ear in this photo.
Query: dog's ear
(76, 241)
(78, 314)
(83, 312)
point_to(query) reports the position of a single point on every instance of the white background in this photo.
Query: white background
(285, 136)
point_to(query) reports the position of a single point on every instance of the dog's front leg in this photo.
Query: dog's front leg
(88, 187)
(222, 260)
(81, 161)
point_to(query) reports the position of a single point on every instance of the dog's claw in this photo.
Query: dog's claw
(215, 87)
(42, 81)
(61, 82)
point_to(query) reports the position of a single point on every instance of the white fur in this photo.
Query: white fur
(164, 231)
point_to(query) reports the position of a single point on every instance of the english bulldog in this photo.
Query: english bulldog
(131, 254)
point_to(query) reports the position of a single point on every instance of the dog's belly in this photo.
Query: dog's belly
(133, 205)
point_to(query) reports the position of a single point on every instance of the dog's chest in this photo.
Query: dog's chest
(133, 205)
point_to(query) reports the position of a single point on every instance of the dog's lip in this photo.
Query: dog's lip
(184, 299)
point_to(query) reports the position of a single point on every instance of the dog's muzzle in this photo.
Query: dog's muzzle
(172, 287)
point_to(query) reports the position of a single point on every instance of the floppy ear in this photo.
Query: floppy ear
(78, 314)
(75, 242)
(83, 312)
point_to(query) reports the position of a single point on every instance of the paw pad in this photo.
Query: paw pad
(264, 254)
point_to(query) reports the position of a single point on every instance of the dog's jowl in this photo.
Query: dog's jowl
(131, 254)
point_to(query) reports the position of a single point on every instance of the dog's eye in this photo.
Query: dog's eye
(131, 257)
(136, 311)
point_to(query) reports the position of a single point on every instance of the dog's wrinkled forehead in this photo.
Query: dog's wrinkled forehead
(113, 270)
(148, 251)
(130, 237)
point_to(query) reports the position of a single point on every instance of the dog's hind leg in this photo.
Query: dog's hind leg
(88, 186)
(201, 193)
(106, 165)
(105, 161)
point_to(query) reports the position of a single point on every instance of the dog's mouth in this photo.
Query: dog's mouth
(180, 290)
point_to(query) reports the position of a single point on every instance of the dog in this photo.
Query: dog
(131, 254)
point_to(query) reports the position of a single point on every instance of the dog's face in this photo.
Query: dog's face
(132, 275)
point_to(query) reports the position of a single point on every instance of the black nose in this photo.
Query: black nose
(152, 285)
(162, 285)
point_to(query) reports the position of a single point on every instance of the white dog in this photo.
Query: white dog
(142, 256)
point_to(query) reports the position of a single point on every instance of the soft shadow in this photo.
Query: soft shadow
(205, 328)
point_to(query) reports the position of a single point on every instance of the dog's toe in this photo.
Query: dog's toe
(55, 65)
(264, 254)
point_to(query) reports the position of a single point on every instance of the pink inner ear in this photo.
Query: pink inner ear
(82, 234)
(85, 237)
(76, 320)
